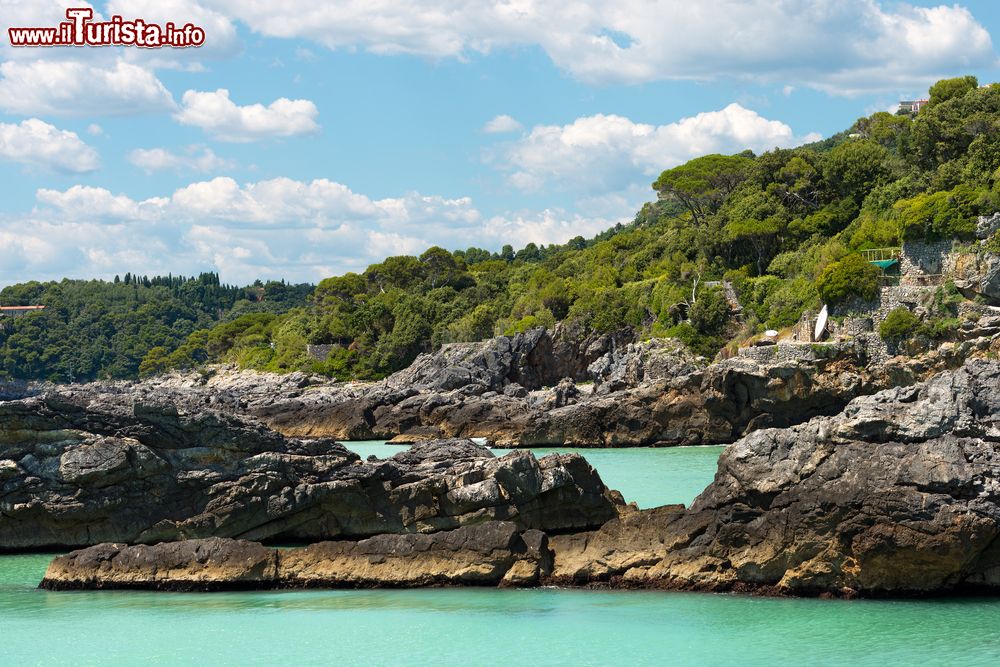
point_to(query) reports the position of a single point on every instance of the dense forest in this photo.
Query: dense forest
(783, 228)
(96, 329)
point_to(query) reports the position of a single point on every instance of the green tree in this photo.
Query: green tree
(854, 168)
(702, 184)
(898, 325)
(709, 314)
(851, 276)
(939, 215)
(947, 89)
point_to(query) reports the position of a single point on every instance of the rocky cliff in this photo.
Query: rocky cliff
(899, 494)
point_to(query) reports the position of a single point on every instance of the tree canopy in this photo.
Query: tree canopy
(782, 229)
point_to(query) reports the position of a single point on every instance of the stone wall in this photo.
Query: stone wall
(919, 259)
(861, 319)
(321, 352)
(793, 352)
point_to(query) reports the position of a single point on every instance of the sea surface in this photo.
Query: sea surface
(444, 627)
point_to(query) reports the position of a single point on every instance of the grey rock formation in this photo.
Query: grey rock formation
(554, 388)
(635, 363)
(899, 494)
(110, 470)
(976, 274)
(987, 225)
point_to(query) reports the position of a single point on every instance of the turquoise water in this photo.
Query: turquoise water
(460, 627)
(650, 477)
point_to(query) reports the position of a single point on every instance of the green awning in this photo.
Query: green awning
(885, 263)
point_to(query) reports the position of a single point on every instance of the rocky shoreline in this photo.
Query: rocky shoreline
(80, 473)
(897, 494)
(549, 388)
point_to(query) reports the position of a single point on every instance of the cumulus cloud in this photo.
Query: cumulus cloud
(92, 203)
(610, 152)
(223, 40)
(193, 158)
(223, 119)
(36, 143)
(277, 228)
(501, 124)
(843, 47)
(72, 88)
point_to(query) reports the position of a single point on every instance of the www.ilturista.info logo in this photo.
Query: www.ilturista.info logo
(81, 30)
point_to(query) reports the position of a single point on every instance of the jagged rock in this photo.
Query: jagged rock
(987, 225)
(110, 471)
(976, 274)
(635, 363)
(643, 394)
(488, 554)
(899, 494)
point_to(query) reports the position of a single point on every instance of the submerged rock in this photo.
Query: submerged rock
(76, 473)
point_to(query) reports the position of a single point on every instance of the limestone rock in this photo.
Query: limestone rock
(209, 564)
(899, 494)
(976, 274)
(488, 554)
(78, 472)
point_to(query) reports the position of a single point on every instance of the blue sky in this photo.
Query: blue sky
(351, 131)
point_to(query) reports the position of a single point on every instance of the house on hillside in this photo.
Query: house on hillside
(911, 106)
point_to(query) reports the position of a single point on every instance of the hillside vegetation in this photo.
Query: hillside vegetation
(782, 227)
(96, 329)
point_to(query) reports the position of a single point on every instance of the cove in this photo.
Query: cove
(491, 627)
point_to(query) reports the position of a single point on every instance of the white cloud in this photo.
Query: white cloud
(841, 47)
(221, 41)
(36, 143)
(95, 130)
(92, 203)
(70, 88)
(548, 226)
(278, 228)
(611, 152)
(36, 13)
(220, 117)
(501, 124)
(193, 158)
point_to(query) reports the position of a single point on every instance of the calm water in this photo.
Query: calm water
(490, 627)
(650, 477)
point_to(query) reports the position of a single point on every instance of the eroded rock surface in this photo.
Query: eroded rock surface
(552, 388)
(76, 472)
(488, 554)
(899, 494)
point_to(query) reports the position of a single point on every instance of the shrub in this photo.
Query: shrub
(992, 244)
(940, 328)
(706, 346)
(898, 325)
(710, 313)
(939, 215)
(851, 276)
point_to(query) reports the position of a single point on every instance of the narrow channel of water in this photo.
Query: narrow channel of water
(647, 476)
